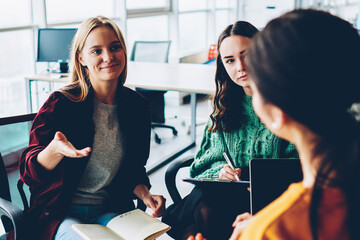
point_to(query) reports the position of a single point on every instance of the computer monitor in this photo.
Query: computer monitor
(54, 46)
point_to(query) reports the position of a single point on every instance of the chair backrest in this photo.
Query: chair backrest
(4, 182)
(150, 51)
(14, 133)
(11, 216)
(170, 177)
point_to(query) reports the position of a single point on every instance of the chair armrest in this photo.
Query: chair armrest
(170, 177)
(14, 214)
(20, 186)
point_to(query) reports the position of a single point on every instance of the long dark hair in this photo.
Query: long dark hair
(227, 107)
(306, 62)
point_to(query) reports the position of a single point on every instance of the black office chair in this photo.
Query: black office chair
(170, 177)
(11, 215)
(153, 51)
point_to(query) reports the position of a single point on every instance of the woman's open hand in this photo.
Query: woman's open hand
(57, 149)
(63, 147)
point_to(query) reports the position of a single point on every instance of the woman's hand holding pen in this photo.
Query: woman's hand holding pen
(58, 148)
(227, 173)
(230, 164)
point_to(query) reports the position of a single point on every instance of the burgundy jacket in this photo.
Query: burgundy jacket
(52, 191)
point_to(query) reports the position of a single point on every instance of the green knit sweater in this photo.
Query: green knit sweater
(252, 140)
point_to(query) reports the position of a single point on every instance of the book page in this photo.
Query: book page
(137, 225)
(95, 232)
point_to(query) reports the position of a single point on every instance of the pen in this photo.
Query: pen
(231, 165)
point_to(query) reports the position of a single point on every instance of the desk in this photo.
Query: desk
(184, 77)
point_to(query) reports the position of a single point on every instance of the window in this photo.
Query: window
(146, 29)
(192, 31)
(222, 20)
(70, 10)
(146, 4)
(224, 3)
(191, 5)
(18, 62)
(14, 137)
(15, 13)
(259, 13)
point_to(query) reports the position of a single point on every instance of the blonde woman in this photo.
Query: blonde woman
(89, 142)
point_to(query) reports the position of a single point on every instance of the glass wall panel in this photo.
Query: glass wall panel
(224, 3)
(192, 31)
(222, 20)
(144, 4)
(17, 61)
(70, 10)
(146, 29)
(15, 13)
(260, 12)
(189, 5)
(14, 137)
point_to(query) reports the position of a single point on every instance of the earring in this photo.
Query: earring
(274, 125)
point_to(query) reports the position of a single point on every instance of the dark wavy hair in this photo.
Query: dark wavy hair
(227, 107)
(306, 62)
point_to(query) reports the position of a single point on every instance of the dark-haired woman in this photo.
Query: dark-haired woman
(303, 91)
(234, 129)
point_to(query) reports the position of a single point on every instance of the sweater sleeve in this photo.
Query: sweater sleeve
(209, 159)
(41, 134)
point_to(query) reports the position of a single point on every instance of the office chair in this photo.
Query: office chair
(153, 51)
(11, 215)
(170, 177)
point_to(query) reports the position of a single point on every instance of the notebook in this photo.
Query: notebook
(215, 181)
(269, 178)
(223, 188)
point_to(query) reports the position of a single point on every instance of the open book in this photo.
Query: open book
(134, 225)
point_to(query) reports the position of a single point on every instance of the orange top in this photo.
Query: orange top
(288, 216)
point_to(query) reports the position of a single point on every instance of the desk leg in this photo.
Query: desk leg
(193, 117)
(28, 95)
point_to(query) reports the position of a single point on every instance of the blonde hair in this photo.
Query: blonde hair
(78, 73)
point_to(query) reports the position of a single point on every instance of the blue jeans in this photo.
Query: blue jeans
(82, 214)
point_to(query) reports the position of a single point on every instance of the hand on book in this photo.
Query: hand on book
(156, 203)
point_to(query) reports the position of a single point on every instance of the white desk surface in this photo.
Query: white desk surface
(185, 77)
